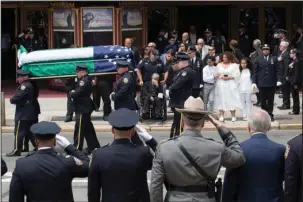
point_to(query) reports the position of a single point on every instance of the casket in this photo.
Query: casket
(60, 63)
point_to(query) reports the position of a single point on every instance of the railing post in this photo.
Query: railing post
(3, 117)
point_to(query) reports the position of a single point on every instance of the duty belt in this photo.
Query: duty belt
(196, 188)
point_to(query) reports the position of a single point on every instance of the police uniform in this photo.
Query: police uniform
(184, 182)
(120, 169)
(37, 111)
(32, 44)
(266, 74)
(211, 41)
(179, 91)
(197, 66)
(26, 112)
(47, 175)
(276, 48)
(70, 85)
(125, 93)
(84, 107)
(293, 170)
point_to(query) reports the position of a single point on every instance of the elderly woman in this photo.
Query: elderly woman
(227, 96)
(236, 51)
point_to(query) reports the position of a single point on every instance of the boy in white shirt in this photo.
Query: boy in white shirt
(209, 79)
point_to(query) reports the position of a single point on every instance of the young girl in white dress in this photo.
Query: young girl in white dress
(245, 88)
(227, 96)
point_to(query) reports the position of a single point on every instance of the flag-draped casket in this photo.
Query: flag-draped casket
(61, 62)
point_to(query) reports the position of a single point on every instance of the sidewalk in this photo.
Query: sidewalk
(54, 109)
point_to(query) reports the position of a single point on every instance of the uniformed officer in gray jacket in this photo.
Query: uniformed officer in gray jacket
(172, 168)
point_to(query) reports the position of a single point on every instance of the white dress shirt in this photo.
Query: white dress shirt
(42, 148)
(208, 74)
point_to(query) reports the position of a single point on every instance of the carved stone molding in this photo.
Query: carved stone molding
(62, 4)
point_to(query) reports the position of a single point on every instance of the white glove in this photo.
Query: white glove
(279, 83)
(110, 96)
(253, 86)
(62, 141)
(167, 93)
(201, 85)
(151, 98)
(143, 133)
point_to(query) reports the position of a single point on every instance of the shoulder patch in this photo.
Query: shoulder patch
(78, 161)
(286, 151)
(184, 73)
(81, 83)
(125, 80)
(22, 87)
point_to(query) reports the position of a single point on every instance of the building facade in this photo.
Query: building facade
(60, 24)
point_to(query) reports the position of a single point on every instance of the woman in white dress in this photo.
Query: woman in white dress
(227, 96)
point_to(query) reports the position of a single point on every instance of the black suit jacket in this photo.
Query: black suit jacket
(294, 72)
(135, 54)
(47, 176)
(120, 171)
(266, 73)
(198, 70)
(283, 63)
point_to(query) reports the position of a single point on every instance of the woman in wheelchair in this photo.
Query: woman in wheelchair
(152, 99)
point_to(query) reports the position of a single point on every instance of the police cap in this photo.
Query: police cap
(192, 49)
(123, 119)
(21, 72)
(45, 129)
(81, 68)
(207, 31)
(122, 64)
(282, 31)
(182, 57)
(265, 47)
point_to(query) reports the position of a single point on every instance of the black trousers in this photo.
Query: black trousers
(258, 97)
(156, 103)
(296, 99)
(102, 90)
(26, 139)
(70, 106)
(195, 92)
(22, 131)
(286, 88)
(176, 127)
(267, 96)
(84, 128)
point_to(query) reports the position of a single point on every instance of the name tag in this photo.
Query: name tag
(160, 95)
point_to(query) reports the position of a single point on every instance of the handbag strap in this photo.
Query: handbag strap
(191, 160)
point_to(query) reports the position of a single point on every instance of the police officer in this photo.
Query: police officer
(197, 66)
(84, 107)
(293, 170)
(121, 177)
(180, 90)
(244, 41)
(47, 175)
(147, 68)
(184, 156)
(37, 112)
(31, 43)
(267, 75)
(209, 39)
(26, 111)
(103, 88)
(125, 93)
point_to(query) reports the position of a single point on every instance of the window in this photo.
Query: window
(274, 19)
(97, 25)
(132, 24)
(250, 18)
(63, 28)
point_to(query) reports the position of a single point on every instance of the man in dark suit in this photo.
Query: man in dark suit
(267, 75)
(186, 40)
(261, 177)
(120, 169)
(128, 44)
(244, 41)
(47, 175)
(293, 170)
(299, 40)
(197, 66)
(283, 62)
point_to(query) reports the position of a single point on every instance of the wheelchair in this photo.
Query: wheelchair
(152, 115)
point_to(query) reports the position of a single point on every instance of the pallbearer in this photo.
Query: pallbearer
(84, 107)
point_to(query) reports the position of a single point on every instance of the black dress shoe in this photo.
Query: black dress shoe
(293, 113)
(105, 118)
(280, 96)
(68, 119)
(25, 150)
(258, 104)
(272, 119)
(12, 154)
(283, 107)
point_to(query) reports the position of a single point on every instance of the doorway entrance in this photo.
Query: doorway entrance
(204, 17)
(8, 54)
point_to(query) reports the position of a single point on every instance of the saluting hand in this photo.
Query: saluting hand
(143, 133)
(62, 141)
(215, 122)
